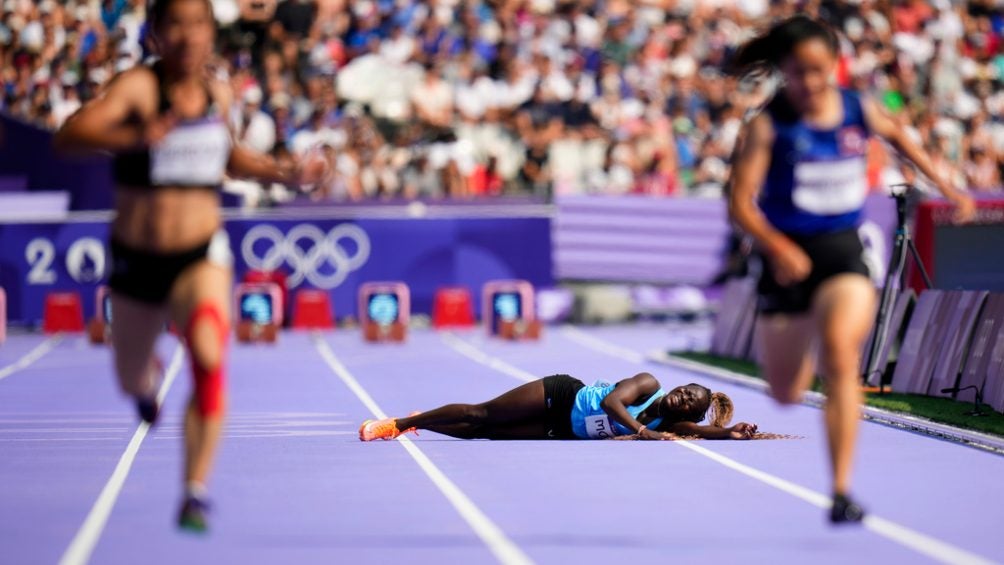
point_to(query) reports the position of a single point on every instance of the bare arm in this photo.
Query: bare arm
(741, 430)
(112, 121)
(749, 170)
(886, 128)
(628, 393)
(249, 164)
(246, 163)
(751, 160)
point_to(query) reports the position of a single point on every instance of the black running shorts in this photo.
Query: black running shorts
(832, 254)
(559, 395)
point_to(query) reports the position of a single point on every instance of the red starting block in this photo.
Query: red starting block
(100, 326)
(384, 311)
(508, 310)
(64, 312)
(452, 307)
(312, 310)
(258, 308)
(3, 315)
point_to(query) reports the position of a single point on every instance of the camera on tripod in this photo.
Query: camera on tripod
(894, 281)
(901, 190)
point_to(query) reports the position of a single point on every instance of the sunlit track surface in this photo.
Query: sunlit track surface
(293, 483)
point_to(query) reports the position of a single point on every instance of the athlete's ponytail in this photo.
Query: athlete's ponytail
(720, 410)
(769, 49)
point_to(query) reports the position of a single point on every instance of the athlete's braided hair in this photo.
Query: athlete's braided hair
(721, 410)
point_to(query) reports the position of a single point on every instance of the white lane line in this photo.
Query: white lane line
(472, 352)
(921, 543)
(34, 355)
(83, 544)
(911, 539)
(504, 549)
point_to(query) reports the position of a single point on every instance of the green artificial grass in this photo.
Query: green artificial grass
(944, 410)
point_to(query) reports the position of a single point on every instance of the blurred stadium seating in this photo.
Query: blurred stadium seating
(463, 98)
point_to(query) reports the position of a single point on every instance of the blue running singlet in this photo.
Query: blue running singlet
(817, 181)
(589, 421)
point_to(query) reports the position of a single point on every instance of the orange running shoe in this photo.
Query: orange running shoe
(379, 429)
(382, 429)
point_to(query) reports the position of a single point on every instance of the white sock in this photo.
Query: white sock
(196, 489)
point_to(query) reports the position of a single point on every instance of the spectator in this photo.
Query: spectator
(485, 179)
(433, 99)
(253, 127)
(982, 171)
(465, 98)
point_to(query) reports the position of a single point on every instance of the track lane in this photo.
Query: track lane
(293, 484)
(901, 475)
(593, 502)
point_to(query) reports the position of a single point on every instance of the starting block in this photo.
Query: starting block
(276, 277)
(384, 311)
(3, 315)
(452, 307)
(259, 312)
(312, 310)
(508, 310)
(100, 326)
(64, 312)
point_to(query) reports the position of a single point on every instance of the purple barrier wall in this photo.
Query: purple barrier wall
(26, 152)
(638, 238)
(898, 315)
(670, 240)
(742, 338)
(995, 374)
(738, 302)
(978, 364)
(917, 345)
(337, 255)
(958, 332)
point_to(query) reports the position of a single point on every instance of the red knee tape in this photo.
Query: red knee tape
(209, 381)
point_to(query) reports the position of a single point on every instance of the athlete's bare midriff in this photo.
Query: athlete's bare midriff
(165, 219)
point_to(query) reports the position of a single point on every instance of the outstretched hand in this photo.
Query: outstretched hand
(312, 168)
(742, 430)
(651, 435)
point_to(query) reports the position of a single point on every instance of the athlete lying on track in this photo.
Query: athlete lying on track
(562, 407)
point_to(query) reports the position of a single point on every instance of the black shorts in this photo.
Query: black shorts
(559, 394)
(832, 254)
(148, 276)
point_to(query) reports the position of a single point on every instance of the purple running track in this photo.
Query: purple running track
(293, 483)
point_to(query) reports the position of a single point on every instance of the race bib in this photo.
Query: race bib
(830, 187)
(599, 427)
(191, 155)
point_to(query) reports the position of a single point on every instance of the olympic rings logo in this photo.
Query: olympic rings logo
(309, 260)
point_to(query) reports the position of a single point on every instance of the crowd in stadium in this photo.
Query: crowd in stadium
(463, 98)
